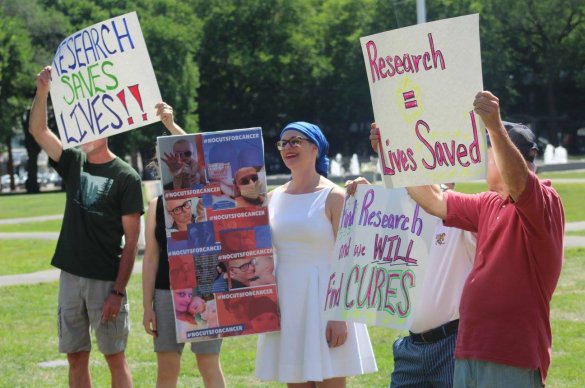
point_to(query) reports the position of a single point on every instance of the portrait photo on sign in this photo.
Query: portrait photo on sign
(237, 166)
(181, 212)
(179, 158)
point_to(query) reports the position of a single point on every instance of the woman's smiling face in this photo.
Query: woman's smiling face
(297, 150)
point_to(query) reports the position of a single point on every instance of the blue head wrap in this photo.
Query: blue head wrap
(313, 133)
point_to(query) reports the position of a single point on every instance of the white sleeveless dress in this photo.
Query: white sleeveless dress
(303, 239)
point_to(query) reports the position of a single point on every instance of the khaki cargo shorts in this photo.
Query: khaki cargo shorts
(80, 309)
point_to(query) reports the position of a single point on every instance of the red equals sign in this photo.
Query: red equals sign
(409, 101)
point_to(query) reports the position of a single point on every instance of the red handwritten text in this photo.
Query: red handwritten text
(391, 65)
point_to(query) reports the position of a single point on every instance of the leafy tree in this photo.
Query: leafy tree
(344, 99)
(172, 33)
(531, 56)
(261, 63)
(46, 27)
(45, 30)
(230, 63)
(15, 61)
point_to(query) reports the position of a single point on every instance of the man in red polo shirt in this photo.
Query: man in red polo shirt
(504, 334)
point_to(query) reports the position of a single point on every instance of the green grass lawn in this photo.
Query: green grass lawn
(28, 314)
(42, 226)
(32, 325)
(576, 233)
(572, 195)
(31, 205)
(29, 337)
(575, 174)
(24, 256)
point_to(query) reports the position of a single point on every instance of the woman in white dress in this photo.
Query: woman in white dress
(309, 351)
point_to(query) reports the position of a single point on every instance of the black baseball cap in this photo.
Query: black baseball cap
(522, 137)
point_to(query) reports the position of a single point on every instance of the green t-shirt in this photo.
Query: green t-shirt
(98, 195)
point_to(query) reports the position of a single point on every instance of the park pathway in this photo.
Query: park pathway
(53, 274)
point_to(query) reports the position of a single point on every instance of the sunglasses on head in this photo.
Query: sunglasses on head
(246, 179)
(186, 154)
(294, 142)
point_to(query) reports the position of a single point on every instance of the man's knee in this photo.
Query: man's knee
(116, 360)
(78, 360)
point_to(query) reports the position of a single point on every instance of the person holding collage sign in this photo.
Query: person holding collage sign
(304, 215)
(157, 298)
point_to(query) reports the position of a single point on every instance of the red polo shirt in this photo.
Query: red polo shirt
(505, 305)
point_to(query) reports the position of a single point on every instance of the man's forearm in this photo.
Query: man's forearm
(510, 161)
(430, 198)
(39, 129)
(125, 267)
(38, 115)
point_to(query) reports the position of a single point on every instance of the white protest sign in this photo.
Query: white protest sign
(380, 258)
(423, 80)
(103, 82)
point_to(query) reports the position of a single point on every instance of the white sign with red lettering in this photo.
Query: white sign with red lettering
(423, 80)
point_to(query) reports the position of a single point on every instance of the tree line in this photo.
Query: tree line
(225, 64)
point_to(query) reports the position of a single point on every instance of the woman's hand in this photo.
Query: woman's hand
(375, 137)
(165, 112)
(336, 333)
(149, 321)
(351, 185)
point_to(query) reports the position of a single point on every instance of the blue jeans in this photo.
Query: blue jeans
(483, 374)
(418, 364)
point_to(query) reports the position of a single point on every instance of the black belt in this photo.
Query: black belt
(437, 333)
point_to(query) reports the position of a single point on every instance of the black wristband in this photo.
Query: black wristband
(118, 293)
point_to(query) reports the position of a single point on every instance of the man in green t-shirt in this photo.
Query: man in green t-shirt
(104, 204)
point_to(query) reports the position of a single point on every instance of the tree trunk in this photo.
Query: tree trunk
(32, 183)
(134, 159)
(33, 150)
(10, 164)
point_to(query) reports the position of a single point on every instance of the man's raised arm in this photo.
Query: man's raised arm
(509, 160)
(38, 126)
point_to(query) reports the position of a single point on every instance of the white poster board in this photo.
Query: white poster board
(103, 82)
(380, 258)
(423, 80)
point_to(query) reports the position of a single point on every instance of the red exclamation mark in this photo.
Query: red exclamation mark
(122, 97)
(136, 93)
